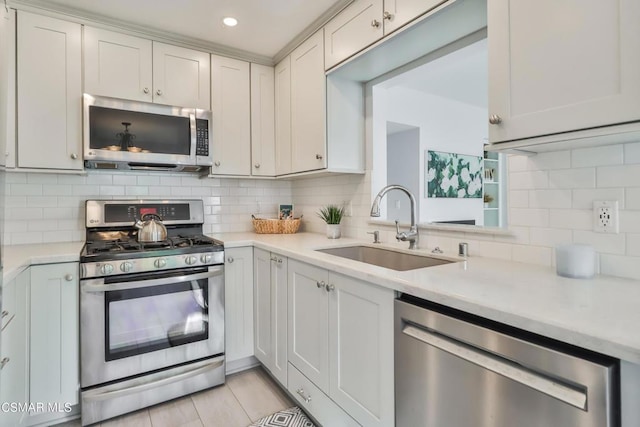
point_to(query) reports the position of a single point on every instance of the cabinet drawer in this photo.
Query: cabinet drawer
(8, 303)
(314, 401)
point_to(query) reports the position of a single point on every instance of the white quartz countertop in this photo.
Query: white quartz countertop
(602, 314)
(18, 257)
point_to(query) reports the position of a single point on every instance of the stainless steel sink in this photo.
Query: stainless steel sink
(385, 258)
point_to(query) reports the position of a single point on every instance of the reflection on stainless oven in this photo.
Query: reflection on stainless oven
(152, 314)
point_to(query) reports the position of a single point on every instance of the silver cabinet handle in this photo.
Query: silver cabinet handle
(145, 90)
(273, 258)
(330, 287)
(217, 163)
(257, 165)
(388, 16)
(500, 366)
(230, 259)
(321, 284)
(3, 362)
(74, 156)
(375, 23)
(319, 156)
(495, 119)
(159, 92)
(279, 260)
(68, 277)
(307, 399)
(5, 313)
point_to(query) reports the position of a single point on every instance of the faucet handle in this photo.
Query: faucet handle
(376, 236)
(397, 227)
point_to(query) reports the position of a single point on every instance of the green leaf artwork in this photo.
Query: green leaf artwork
(453, 175)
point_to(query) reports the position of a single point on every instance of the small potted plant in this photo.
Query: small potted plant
(332, 215)
(487, 199)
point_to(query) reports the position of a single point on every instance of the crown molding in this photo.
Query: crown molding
(311, 29)
(128, 27)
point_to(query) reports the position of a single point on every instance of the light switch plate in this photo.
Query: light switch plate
(605, 216)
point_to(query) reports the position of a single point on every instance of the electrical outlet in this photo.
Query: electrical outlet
(348, 208)
(605, 216)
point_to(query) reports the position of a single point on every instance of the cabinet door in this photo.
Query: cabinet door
(7, 88)
(238, 302)
(353, 29)
(14, 373)
(308, 99)
(181, 76)
(49, 93)
(263, 143)
(279, 317)
(283, 116)
(54, 333)
(262, 306)
(399, 12)
(231, 116)
(117, 65)
(361, 350)
(562, 66)
(308, 322)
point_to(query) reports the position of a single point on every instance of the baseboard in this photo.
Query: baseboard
(241, 364)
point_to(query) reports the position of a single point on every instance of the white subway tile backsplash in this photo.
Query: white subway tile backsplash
(15, 177)
(519, 198)
(44, 225)
(529, 217)
(619, 176)
(550, 198)
(550, 237)
(633, 245)
(603, 243)
(57, 190)
(528, 180)
(125, 179)
(632, 153)
(571, 219)
(112, 190)
(42, 202)
(583, 199)
(496, 250)
(532, 254)
(632, 198)
(25, 190)
(548, 161)
(629, 221)
(573, 178)
(30, 237)
(621, 266)
(597, 156)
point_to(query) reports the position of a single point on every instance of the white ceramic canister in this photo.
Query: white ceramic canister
(576, 261)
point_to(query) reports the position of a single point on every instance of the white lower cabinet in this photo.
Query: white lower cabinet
(238, 304)
(53, 344)
(14, 386)
(270, 311)
(340, 334)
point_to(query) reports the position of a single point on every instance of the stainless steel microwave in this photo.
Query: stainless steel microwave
(122, 134)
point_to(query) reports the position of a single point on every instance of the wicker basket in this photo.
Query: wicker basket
(276, 226)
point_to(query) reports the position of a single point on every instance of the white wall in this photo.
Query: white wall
(403, 167)
(44, 208)
(445, 125)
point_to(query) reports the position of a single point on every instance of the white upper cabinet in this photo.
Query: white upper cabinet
(123, 66)
(353, 29)
(364, 22)
(117, 65)
(231, 116)
(283, 116)
(7, 88)
(181, 76)
(308, 105)
(556, 67)
(49, 80)
(263, 143)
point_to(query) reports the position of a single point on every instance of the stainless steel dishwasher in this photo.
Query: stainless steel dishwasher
(453, 369)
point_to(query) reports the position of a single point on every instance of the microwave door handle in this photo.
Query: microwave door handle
(194, 137)
(97, 285)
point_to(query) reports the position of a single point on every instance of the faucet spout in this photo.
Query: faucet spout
(412, 234)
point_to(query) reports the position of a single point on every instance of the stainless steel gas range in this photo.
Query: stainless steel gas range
(151, 313)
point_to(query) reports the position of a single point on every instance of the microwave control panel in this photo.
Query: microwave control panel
(202, 137)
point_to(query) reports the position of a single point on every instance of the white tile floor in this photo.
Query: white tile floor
(246, 397)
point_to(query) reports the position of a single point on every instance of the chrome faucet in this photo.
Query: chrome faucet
(412, 235)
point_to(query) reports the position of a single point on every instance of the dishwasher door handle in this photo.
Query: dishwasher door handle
(500, 366)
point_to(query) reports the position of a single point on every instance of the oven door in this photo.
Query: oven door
(138, 323)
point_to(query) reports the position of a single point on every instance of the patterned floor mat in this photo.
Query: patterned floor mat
(291, 417)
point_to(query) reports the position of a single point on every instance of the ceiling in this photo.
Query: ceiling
(265, 26)
(461, 76)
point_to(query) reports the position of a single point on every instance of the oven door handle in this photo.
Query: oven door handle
(98, 395)
(97, 285)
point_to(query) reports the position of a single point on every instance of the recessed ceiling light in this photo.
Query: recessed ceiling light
(230, 22)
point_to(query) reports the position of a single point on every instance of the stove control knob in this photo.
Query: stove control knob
(126, 267)
(106, 269)
(160, 262)
(206, 258)
(190, 260)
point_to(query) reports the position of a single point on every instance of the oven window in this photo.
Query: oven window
(154, 318)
